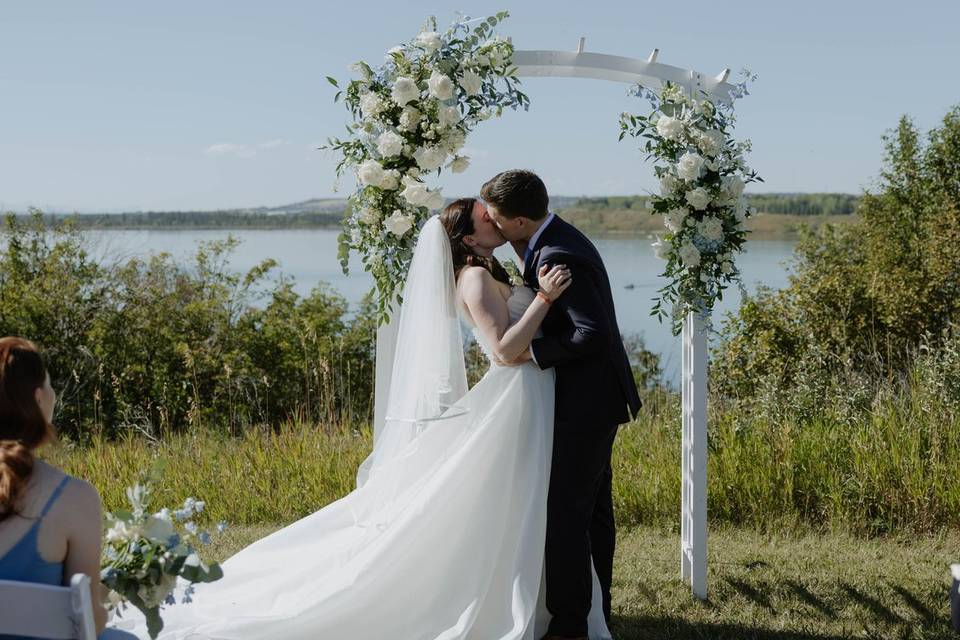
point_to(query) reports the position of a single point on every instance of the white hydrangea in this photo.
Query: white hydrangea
(429, 40)
(398, 223)
(440, 86)
(389, 144)
(689, 166)
(471, 82)
(698, 198)
(710, 228)
(670, 128)
(689, 254)
(368, 216)
(404, 90)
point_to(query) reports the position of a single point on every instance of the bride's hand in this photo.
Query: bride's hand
(554, 280)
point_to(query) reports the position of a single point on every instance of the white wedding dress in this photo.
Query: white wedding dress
(442, 540)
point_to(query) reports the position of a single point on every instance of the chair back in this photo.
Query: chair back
(46, 611)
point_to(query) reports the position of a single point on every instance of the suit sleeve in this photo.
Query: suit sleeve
(588, 332)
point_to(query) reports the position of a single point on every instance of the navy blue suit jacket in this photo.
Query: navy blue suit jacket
(581, 339)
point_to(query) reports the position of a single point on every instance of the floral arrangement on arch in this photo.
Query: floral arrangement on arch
(412, 115)
(702, 173)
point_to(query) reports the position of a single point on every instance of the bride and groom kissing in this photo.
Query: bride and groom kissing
(484, 513)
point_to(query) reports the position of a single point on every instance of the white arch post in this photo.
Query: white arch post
(652, 74)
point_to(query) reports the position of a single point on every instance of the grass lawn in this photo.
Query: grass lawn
(798, 586)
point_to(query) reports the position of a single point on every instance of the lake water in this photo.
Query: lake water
(309, 257)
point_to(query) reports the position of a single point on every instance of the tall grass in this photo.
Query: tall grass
(896, 468)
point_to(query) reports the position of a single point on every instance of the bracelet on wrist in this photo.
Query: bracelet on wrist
(544, 297)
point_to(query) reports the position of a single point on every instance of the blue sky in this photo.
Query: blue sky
(108, 106)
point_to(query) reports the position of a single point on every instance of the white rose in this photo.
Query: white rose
(118, 531)
(414, 192)
(429, 158)
(398, 224)
(370, 173)
(711, 229)
(389, 144)
(482, 60)
(371, 104)
(711, 142)
(410, 118)
(448, 116)
(698, 198)
(689, 166)
(726, 267)
(441, 86)
(390, 180)
(674, 219)
(459, 164)
(661, 249)
(668, 184)
(669, 128)
(689, 254)
(471, 82)
(404, 90)
(429, 40)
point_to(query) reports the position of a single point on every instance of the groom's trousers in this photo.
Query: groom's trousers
(580, 525)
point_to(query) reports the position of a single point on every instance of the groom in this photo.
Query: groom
(595, 392)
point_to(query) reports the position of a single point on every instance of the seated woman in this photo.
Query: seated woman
(50, 524)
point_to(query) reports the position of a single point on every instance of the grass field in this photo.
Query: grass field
(790, 586)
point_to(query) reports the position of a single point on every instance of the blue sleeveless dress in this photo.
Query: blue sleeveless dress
(23, 562)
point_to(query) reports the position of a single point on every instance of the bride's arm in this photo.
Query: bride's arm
(480, 293)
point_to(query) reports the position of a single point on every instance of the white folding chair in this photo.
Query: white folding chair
(45, 611)
(955, 597)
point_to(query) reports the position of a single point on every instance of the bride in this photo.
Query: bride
(443, 538)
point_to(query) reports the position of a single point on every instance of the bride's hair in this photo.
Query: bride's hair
(457, 220)
(23, 426)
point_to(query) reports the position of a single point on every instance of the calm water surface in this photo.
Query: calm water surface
(309, 257)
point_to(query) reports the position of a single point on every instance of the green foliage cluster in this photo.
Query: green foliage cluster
(159, 347)
(867, 300)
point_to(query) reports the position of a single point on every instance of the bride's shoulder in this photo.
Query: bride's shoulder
(473, 276)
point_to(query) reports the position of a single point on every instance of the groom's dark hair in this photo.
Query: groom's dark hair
(517, 193)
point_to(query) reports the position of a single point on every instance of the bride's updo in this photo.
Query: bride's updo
(457, 220)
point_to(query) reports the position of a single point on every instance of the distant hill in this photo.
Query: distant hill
(604, 214)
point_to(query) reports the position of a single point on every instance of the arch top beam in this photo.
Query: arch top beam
(600, 66)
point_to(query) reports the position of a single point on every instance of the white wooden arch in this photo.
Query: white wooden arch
(652, 74)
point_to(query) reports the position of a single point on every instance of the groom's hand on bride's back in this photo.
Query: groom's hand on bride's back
(523, 357)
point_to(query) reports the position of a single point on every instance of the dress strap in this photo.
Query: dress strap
(54, 496)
